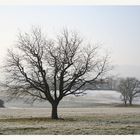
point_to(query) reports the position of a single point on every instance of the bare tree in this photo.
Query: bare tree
(122, 88)
(52, 69)
(129, 88)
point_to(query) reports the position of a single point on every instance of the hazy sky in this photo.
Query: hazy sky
(117, 28)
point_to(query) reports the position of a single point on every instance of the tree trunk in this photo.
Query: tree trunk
(54, 111)
(125, 102)
(130, 101)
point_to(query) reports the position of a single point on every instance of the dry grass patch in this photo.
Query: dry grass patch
(93, 124)
(90, 121)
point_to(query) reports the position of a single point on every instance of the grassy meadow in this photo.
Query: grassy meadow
(75, 121)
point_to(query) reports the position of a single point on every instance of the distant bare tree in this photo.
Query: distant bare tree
(122, 88)
(129, 88)
(52, 69)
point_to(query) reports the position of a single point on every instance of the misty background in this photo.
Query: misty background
(114, 28)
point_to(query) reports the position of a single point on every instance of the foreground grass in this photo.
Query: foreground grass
(87, 124)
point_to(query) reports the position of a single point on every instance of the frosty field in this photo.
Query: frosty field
(97, 113)
(84, 121)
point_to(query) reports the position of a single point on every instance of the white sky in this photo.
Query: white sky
(115, 27)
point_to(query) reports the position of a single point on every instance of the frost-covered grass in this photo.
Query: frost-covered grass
(113, 120)
(98, 112)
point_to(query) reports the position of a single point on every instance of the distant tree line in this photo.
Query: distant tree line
(109, 83)
(128, 87)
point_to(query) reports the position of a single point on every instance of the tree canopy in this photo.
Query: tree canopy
(50, 69)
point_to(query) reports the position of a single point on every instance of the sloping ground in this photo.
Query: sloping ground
(77, 121)
(92, 98)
